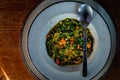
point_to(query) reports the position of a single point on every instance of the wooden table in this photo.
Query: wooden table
(12, 15)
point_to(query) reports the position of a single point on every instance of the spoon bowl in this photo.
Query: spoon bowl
(85, 14)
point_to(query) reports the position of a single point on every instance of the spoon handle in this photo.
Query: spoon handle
(85, 53)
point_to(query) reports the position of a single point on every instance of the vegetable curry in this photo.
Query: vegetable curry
(64, 42)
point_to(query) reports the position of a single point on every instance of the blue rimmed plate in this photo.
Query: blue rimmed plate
(43, 18)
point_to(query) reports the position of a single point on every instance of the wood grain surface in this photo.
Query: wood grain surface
(12, 15)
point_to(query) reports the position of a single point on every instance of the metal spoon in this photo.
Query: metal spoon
(85, 15)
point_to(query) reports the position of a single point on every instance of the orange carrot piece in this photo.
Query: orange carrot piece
(62, 41)
(88, 45)
(72, 40)
(57, 61)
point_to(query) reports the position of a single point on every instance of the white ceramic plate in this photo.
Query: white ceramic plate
(43, 18)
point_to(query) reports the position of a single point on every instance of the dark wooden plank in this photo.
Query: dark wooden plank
(10, 56)
(17, 4)
(12, 14)
(112, 7)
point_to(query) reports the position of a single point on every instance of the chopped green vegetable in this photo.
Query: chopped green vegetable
(64, 42)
